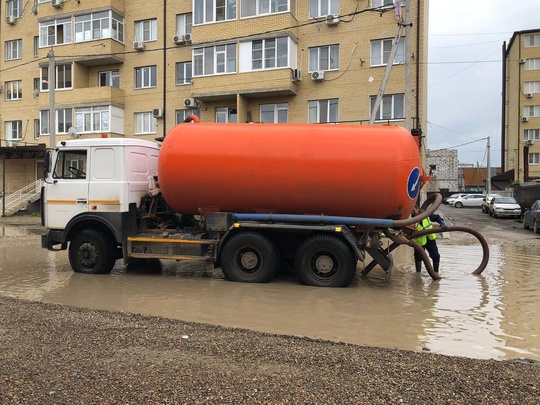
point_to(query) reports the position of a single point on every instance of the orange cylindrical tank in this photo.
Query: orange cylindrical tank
(339, 170)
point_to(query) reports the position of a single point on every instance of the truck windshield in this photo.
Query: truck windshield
(70, 165)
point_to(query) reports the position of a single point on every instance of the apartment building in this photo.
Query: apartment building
(521, 106)
(137, 68)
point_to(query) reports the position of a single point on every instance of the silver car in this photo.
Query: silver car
(504, 207)
(470, 200)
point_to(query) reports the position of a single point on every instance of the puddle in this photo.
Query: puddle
(489, 316)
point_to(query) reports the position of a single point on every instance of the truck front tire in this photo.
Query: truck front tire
(249, 257)
(325, 261)
(90, 253)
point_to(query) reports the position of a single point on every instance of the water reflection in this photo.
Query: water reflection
(488, 316)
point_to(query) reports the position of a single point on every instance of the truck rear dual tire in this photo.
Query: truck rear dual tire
(325, 261)
(90, 253)
(249, 257)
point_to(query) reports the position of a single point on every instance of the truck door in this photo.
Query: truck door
(67, 195)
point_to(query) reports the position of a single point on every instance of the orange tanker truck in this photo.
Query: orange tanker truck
(251, 198)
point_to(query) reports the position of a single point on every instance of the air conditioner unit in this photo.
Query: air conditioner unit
(317, 76)
(57, 3)
(529, 142)
(521, 61)
(187, 38)
(10, 143)
(190, 102)
(524, 119)
(296, 75)
(158, 113)
(332, 19)
(138, 45)
(178, 39)
(11, 19)
(528, 95)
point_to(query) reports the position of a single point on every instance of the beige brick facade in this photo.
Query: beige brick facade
(243, 90)
(521, 142)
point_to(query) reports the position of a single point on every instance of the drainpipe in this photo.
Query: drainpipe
(164, 84)
(503, 107)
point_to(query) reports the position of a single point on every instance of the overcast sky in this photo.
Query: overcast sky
(464, 74)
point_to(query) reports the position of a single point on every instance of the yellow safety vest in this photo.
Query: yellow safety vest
(425, 224)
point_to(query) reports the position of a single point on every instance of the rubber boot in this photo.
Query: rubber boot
(436, 267)
(418, 266)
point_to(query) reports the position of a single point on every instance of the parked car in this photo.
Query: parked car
(504, 207)
(486, 201)
(470, 200)
(531, 217)
(453, 197)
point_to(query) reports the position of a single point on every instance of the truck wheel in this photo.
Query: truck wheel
(249, 257)
(325, 261)
(89, 253)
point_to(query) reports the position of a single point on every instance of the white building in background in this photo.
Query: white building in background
(443, 167)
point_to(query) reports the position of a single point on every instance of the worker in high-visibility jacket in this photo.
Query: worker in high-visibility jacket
(428, 241)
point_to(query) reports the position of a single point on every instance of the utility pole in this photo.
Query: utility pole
(408, 56)
(52, 109)
(488, 178)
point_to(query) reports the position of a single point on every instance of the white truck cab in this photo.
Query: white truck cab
(95, 184)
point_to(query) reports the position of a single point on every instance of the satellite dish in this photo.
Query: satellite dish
(72, 132)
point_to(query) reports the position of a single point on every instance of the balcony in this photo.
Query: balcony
(264, 83)
(85, 96)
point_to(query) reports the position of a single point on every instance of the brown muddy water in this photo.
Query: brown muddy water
(491, 316)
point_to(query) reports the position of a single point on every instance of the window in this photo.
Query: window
(433, 171)
(14, 49)
(36, 46)
(321, 8)
(391, 108)
(324, 58)
(380, 52)
(145, 123)
(104, 24)
(252, 8)
(64, 77)
(14, 8)
(145, 77)
(70, 165)
(275, 113)
(531, 111)
(532, 40)
(64, 120)
(183, 73)
(532, 87)
(534, 158)
(207, 11)
(109, 78)
(531, 135)
(320, 111)
(382, 3)
(56, 32)
(92, 119)
(146, 30)
(183, 24)
(13, 90)
(181, 115)
(226, 115)
(13, 130)
(532, 64)
(269, 53)
(214, 60)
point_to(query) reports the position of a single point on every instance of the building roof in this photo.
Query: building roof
(476, 176)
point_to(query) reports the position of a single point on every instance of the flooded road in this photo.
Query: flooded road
(494, 315)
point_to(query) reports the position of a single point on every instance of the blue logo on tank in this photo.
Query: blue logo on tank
(413, 183)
